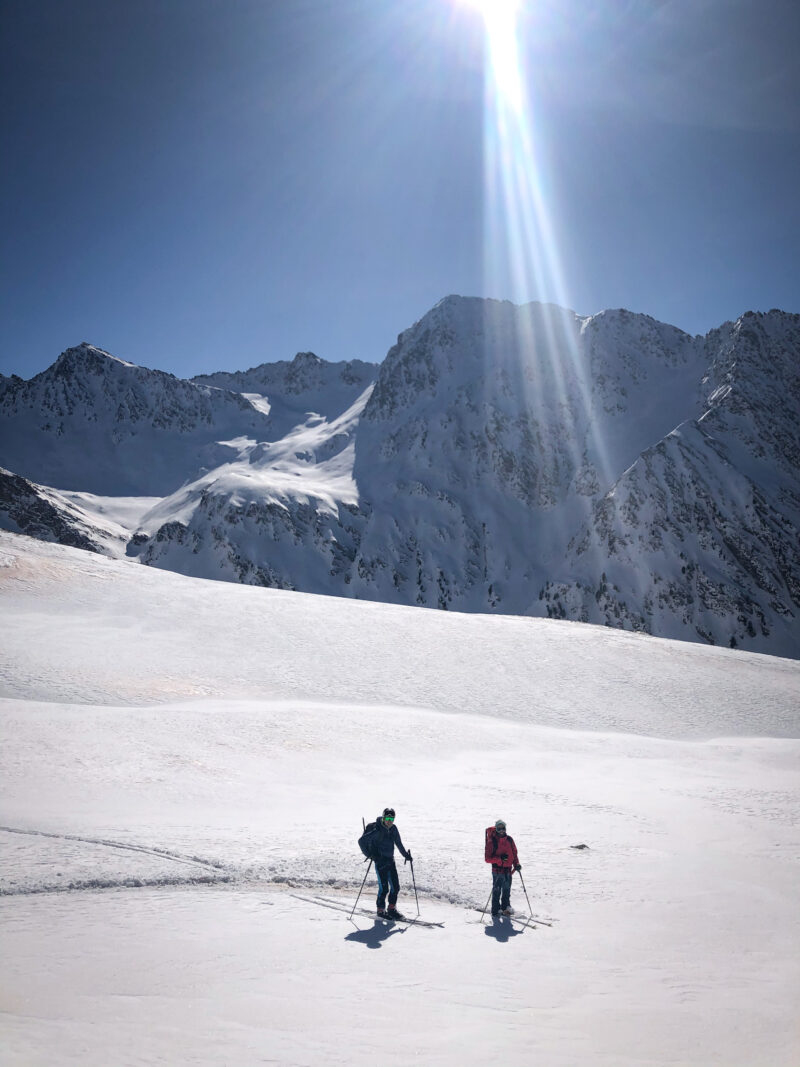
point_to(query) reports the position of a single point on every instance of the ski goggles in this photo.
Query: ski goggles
(388, 818)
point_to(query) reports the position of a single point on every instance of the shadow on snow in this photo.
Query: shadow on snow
(375, 936)
(501, 928)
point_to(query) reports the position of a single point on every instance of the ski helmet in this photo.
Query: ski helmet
(499, 825)
(388, 812)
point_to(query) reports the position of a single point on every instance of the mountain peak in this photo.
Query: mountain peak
(86, 356)
(307, 359)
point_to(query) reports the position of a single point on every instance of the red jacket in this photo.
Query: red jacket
(495, 845)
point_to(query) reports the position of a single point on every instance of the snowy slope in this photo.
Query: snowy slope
(184, 766)
(221, 643)
(82, 520)
(45, 513)
(279, 515)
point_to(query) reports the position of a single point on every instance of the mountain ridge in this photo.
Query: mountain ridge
(501, 458)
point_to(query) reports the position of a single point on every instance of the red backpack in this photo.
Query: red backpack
(491, 844)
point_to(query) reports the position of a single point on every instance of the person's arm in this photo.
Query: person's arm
(514, 856)
(399, 843)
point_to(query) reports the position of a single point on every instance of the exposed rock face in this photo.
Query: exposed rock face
(522, 460)
(41, 513)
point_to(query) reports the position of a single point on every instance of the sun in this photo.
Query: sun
(495, 13)
(500, 21)
(488, 8)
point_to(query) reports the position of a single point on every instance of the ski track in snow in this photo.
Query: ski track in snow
(12, 887)
(160, 852)
(217, 872)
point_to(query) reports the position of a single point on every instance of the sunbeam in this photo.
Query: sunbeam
(522, 259)
(520, 235)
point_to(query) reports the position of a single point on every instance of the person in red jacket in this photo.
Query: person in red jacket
(501, 852)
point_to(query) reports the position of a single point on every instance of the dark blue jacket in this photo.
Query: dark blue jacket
(382, 841)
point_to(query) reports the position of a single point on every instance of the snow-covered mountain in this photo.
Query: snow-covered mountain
(96, 423)
(290, 390)
(522, 460)
(279, 514)
(46, 514)
(491, 430)
(701, 532)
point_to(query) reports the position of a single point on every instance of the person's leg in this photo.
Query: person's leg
(505, 896)
(382, 886)
(394, 883)
(496, 887)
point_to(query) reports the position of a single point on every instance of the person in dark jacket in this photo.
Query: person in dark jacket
(501, 852)
(379, 846)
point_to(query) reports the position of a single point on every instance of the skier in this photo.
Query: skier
(501, 852)
(377, 842)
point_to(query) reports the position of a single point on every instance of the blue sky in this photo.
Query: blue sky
(199, 185)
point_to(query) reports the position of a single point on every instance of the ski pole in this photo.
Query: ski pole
(413, 879)
(361, 890)
(525, 891)
(483, 913)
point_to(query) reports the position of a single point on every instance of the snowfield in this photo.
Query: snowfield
(183, 771)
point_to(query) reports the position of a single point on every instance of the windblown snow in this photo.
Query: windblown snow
(183, 772)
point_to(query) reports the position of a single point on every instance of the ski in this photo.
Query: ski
(396, 919)
(390, 918)
(527, 920)
(338, 905)
(401, 919)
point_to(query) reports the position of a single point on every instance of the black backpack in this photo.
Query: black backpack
(368, 839)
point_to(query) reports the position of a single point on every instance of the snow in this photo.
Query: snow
(260, 403)
(183, 771)
(124, 512)
(109, 520)
(502, 459)
(266, 472)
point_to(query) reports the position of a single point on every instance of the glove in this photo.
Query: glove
(409, 857)
(517, 866)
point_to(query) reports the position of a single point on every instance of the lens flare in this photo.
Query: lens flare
(523, 261)
(500, 17)
(519, 236)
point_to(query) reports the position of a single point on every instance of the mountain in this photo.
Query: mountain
(490, 431)
(279, 514)
(523, 460)
(96, 423)
(291, 390)
(701, 532)
(47, 515)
